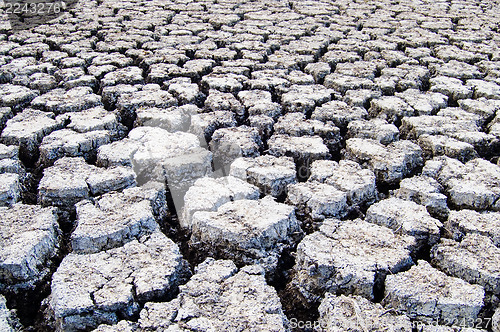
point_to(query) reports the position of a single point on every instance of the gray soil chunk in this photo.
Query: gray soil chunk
(304, 149)
(88, 290)
(377, 129)
(295, 124)
(318, 70)
(156, 154)
(485, 108)
(10, 189)
(270, 174)
(161, 72)
(424, 103)
(474, 185)
(390, 108)
(115, 219)
(5, 114)
(154, 142)
(8, 319)
(67, 143)
(343, 83)
(355, 313)
(251, 98)
(304, 98)
(129, 75)
(219, 101)
(122, 326)
(361, 97)
(425, 191)
(317, 200)
(438, 145)
(485, 89)
(95, 119)
(42, 82)
(406, 217)
(223, 82)
(15, 96)
(186, 93)
(347, 176)
(9, 160)
(205, 124)
(451, 87)
(151, 95)
(272, 110)
(228, 144)
(349, 257)
(110, 94)
(208, 194)
(464, 222)
(339, 113)
(390, 163)
(247, 231)
(475, 259)
(27, 129)
(197, 68)
(413, 127)
(115, 59)
(495, 321)
(29, 240)
(71, 180)
(459, 70)
(219, 298)
(426, 294)
(171, 119)
(364, 69)
(268, 80)
(452, 122)
(264, 125)
(61, 101)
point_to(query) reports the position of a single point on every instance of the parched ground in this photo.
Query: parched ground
(227, 165)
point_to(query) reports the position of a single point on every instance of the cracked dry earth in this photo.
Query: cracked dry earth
(234, 165)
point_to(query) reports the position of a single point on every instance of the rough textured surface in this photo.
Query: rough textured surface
(350, 103)
(88, 290)
(317, 200)
(475, 259)
(270, 174)
(349, 257)
(304, 149)
(117, 218)
(390, 164)
(227, 144)
(406, 217)
(347, 176)
(248, 231)
(474, 185)
(10, 190)
(208, 194)
(219, 298)
(426, 294)
(8, 320)
(156, 154)
(29, 239)
(67, 143)
(355, 313)
(27, 130)
(376, 129)
(463, 222)
(425, 191)
(72, 179)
